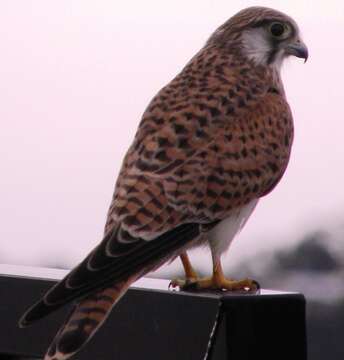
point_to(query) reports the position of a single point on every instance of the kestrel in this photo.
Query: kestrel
(210, 144)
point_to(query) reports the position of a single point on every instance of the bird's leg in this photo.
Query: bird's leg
(217, 281)
(190, 273)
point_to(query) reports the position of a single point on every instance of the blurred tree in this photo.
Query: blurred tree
(311, 254)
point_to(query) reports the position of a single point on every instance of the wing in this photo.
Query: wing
(109, 263)
(208, 150)
(212, 140)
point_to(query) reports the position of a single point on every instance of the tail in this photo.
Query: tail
(100, 280)
(85, 319)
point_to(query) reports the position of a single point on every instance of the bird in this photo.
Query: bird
(211, 143)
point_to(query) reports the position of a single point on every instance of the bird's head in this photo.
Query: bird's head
(263, 35)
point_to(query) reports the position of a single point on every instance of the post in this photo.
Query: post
(151, 322)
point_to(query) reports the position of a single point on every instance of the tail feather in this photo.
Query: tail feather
(97, 288)
(85, 319)
(87, 278)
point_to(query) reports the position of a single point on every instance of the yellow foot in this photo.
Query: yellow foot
(213, 283)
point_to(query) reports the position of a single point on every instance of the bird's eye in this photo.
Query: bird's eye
(277, 29)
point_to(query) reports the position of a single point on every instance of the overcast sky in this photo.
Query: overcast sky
(75, 79)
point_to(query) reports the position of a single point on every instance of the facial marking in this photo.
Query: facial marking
(256, 45)
(264, 48)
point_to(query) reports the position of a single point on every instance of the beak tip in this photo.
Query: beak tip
(299, 50)
(305, 55)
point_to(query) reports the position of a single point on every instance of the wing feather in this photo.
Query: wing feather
(81, 281)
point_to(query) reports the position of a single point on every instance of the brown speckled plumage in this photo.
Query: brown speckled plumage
(210, 144)
(213, 139)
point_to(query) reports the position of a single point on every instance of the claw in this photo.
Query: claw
(173, 284)
(217, 282)
(182, 284)
(256, 286)
(193, 284)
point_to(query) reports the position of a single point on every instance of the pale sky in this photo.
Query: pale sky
(76, 77)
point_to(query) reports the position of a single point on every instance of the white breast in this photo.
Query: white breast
(221, 236)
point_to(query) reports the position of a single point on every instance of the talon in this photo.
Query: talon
(183, 284)
(256, 286)
(217, 282)
(245, 285)
(177, 283)
(222, 284)
(172, 285)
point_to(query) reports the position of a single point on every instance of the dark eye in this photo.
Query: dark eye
(277, 29)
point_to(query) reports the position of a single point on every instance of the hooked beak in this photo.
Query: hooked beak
(298, 49)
